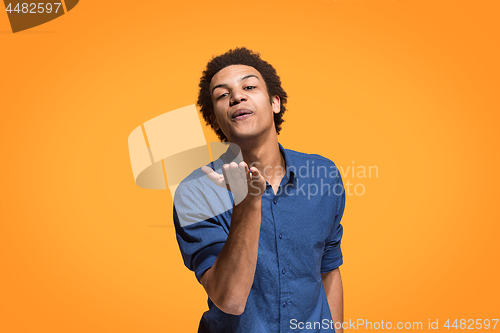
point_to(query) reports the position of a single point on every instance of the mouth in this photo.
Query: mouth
(241, 114)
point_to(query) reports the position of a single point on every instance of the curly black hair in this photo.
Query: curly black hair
(240, 56)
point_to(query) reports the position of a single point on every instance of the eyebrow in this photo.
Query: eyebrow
(243, 78)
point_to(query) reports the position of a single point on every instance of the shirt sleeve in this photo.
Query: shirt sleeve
(200, 233)
(332, 256)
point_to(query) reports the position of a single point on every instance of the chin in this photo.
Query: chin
(243, 136)
(248, 133)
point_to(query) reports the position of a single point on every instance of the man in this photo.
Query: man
(261, 238)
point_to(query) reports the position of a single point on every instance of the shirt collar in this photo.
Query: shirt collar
(289, 165)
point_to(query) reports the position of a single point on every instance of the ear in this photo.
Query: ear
(276, 104)
(214, 122)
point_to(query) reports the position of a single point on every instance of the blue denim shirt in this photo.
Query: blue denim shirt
(299, 239)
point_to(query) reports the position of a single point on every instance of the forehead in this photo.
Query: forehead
(231, 74)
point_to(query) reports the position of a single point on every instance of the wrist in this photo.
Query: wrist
(249, 203)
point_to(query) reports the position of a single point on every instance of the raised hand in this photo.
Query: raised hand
(238, 179)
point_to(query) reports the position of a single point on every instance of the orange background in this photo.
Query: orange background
(408, 86)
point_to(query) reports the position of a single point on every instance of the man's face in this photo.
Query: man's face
(241, 103)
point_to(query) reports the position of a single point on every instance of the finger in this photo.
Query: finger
(258, 183)
(255, 173)
(245, 170)
(233, 174)
(207, 170)
(225, 170)
(218, 179)
(241, 175)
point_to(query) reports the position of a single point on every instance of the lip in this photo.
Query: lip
(241, 114)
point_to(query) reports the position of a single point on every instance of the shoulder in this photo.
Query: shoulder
(299, 156)
(299, 159)
(196, 185)
(197, 198)
(313, 165)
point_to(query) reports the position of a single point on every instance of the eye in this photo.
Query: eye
(222, 96)
(250, 87)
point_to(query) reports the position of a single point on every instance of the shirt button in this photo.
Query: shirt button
(275, 201)
(280, 236)
(283, 271)
(284, 304)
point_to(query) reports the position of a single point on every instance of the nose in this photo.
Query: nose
(237, 96)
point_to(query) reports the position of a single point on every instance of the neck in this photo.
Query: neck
(265, 155)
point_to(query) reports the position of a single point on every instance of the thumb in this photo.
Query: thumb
(255, 173)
